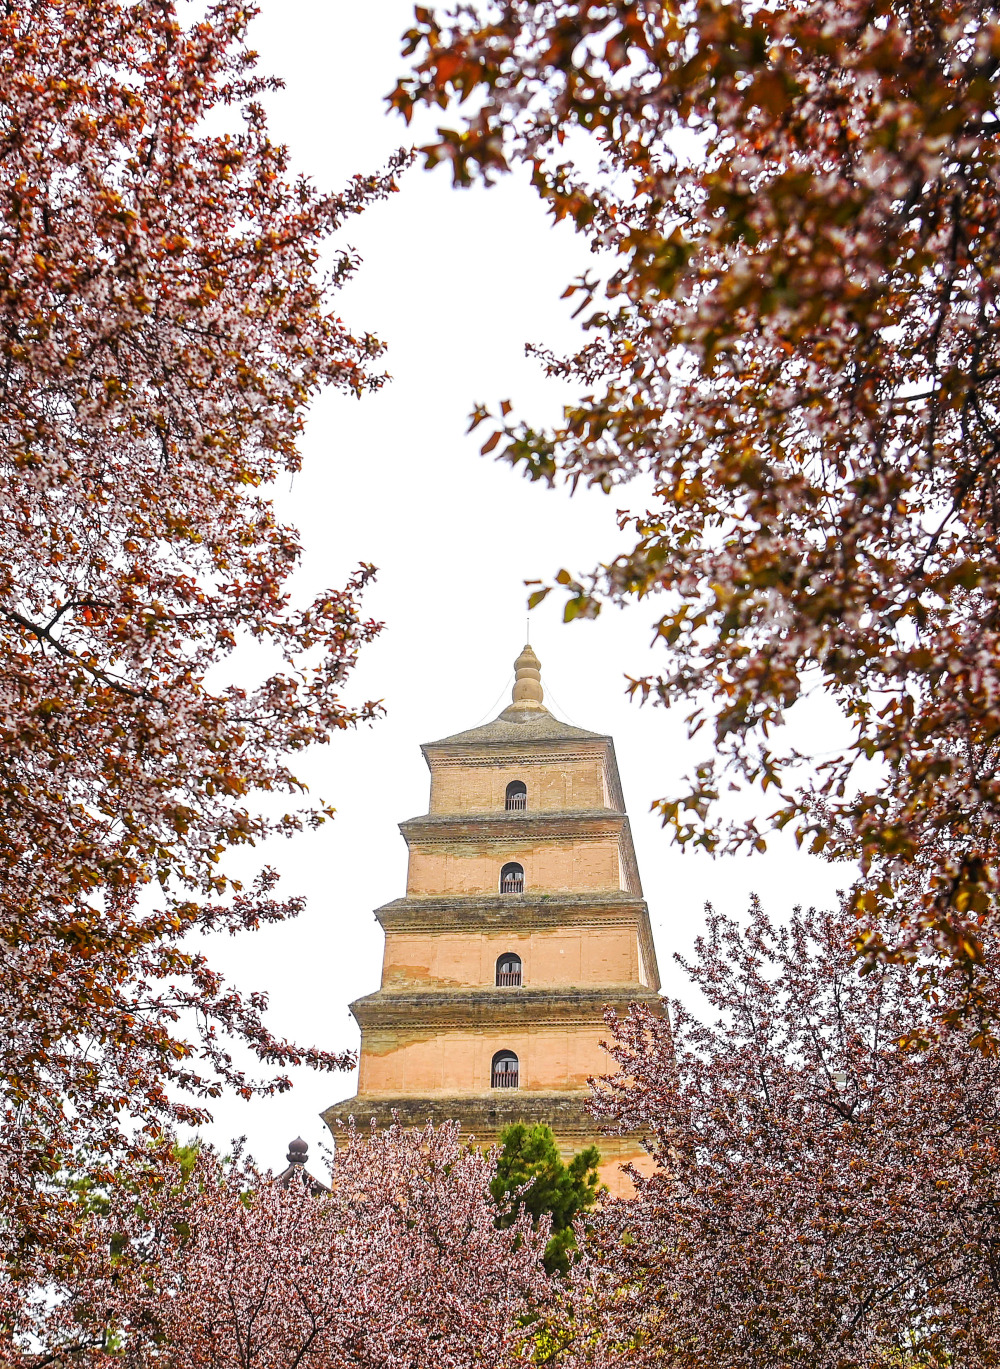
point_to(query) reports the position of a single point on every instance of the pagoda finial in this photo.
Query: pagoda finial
(528, 693)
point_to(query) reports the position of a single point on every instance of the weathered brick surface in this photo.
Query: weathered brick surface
(550, 957)
(583, 915)
(473, 867)
(458, 786)
(553, 1058)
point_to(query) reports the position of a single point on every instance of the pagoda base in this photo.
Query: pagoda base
(483, 1117)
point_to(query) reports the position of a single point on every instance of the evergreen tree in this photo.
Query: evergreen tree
(528, 1156)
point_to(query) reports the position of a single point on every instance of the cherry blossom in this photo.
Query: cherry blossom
(827, 1186)
(166, 302)
(794, 339)
(401, 1263)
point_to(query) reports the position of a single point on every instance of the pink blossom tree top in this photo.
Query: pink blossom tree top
(828, 1167)
(400, 1264)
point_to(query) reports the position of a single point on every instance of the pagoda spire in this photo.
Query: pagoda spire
(528, 694)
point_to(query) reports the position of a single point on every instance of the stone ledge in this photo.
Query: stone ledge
(504, 736)
(604, 824)
(430, 1009)
(481, 905)
(513, 912)
(479, 1114)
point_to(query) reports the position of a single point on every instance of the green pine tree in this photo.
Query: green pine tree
(528, 1155)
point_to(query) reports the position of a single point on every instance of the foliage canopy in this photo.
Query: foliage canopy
(826, 1182)
(795, 214)
(165, 319)
(399, 1263)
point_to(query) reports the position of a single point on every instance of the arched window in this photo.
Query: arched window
(517, 797)
(512, 878)
(504, 1072)
(509, 971)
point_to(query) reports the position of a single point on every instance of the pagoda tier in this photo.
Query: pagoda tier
(523, 921)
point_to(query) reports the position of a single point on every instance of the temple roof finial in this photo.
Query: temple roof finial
(528, 695)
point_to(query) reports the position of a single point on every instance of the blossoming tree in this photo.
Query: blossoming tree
(165, 319)
(401, 1263)
(794, 208)
(827, 1183)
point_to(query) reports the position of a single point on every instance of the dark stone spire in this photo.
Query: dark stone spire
(298, 1151)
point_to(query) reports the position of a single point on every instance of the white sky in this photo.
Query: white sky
(455, 282)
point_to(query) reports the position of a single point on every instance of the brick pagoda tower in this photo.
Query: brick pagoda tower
(523, 918)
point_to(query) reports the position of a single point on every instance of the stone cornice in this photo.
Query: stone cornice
(427, 1011)
(523, 913)
(519, 912)
(488, 751)
(421, 906)
(480, 1114)
(588, 823)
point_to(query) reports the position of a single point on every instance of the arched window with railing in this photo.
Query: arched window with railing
(512, 878)
(503, 1075)
(517, 797)
(509, 971)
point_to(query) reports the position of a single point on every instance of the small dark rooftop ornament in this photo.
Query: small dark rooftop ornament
(298, 1153)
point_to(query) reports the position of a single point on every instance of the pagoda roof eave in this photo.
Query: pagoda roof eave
(426, 1011)
(558, 900)
(530, 729)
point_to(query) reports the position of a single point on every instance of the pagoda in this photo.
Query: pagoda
(523, 919)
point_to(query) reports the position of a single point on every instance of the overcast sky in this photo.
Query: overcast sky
(455, 282)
